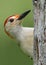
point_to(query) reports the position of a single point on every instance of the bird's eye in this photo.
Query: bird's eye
(11, 20)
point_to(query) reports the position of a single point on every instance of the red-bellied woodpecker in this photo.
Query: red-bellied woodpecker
(24, 35)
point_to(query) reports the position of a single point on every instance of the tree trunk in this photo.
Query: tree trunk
(39, 32)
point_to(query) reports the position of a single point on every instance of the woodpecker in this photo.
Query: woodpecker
(24, 35)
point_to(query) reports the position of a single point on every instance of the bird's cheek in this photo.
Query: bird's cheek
(13, 24)
(7, 28)
(8, 34)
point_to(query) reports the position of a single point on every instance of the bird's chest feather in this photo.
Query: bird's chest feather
(25, 36)
(26, 39)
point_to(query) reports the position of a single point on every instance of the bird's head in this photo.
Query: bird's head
(13, 21)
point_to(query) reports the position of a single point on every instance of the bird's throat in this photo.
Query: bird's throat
(14, 32)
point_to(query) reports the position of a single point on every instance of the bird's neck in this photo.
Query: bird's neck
(16, 31)
(19, 32)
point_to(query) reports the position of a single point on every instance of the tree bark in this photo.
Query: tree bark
(39, 32)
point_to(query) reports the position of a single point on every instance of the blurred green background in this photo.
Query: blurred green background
(10, 53)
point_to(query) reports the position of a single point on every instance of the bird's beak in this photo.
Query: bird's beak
(23, 15)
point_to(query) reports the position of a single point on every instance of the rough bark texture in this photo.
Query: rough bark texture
(39, 32)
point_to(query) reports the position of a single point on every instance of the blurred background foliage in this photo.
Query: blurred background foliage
(10, 53)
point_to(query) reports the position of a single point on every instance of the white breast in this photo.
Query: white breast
(26, 38)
